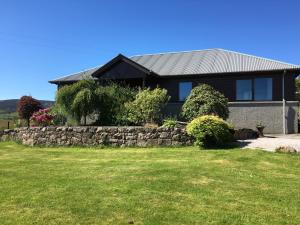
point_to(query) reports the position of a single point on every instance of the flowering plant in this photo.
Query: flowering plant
(42, 117)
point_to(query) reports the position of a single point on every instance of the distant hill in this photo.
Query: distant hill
(10, 105)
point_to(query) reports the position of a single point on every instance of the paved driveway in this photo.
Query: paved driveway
(271, 142)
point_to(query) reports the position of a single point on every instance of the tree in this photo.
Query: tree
(147, 106)
(205, 100)
(87, 97)
(77, 100)
(83, 104)
(26, 106)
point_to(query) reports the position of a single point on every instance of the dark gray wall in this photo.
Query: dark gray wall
(226, 84)
(249, 114)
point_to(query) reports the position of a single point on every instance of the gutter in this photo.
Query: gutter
(283, 103)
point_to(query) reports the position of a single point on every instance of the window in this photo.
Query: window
(255, 89)
(244, 90)
(263, 89)
(184, 90)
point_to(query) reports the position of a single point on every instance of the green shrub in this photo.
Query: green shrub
(170, 123)
(59, 117)
(205, 100)
(210, 131)
(147, 106)
(111, 103)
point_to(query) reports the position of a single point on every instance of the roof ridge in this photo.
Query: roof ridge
(259, 57)
(161, 53)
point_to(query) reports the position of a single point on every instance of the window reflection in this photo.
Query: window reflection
(184, 90)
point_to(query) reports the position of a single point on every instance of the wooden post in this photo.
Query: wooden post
(7, 124)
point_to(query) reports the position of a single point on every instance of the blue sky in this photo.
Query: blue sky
(42, 40)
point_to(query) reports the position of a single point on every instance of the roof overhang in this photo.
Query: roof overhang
(293, 71)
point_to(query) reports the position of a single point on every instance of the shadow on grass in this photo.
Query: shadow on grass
(231, 146)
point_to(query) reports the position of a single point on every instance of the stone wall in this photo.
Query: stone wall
(91, 136)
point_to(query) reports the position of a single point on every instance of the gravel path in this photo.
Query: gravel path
(270, 143)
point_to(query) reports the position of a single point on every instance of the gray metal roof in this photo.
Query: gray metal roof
(210, 61)
(86, 74)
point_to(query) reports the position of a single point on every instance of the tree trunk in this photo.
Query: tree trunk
(84, 120)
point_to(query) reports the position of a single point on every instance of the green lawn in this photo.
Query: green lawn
(7, 117)
(150, 186)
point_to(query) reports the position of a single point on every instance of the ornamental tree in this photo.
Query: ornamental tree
(26, 106)
(205, 100)
(77, 100)
(83, 104)
(89, 98)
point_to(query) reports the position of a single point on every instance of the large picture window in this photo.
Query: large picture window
(258, 89)
(244, 90)
(184, 90)
(263, 89)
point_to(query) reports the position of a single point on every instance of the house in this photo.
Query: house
(259, 90)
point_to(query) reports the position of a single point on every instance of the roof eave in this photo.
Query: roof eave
(62, 82)
(294, 70)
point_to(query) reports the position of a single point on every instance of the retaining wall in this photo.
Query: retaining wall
(91, 136)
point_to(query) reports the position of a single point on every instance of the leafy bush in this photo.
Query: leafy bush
(42, 117)
(59, 117)
(27, 106)
(147, 106)
(111, 101)
(170, 123)
(210, 131)
(205, 100)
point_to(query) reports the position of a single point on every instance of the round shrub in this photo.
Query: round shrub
(205, 100)
(42, 117)
(147, 106)
(170, 123)
(210, 131)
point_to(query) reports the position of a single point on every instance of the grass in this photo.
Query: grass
(149, 186)
(3, 124)
(6, 117)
